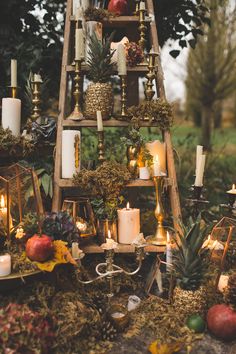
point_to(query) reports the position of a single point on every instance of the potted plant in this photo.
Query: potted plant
(104, 185)
(190, 268)
(99, 94)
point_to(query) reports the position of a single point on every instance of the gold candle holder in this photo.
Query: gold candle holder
(123, 96)
(36, 100)
(160, 236)
(136, 7)
(142, 29)
(149, 92)
(13, 91)
(101, 147)
(77, 112)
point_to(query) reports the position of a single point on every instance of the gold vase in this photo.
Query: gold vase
(132, 154)
(191, 302)
(99, 97)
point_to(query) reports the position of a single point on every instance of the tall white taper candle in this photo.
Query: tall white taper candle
(121, 60)
(79, 44)
(13, 73)
(99, 121)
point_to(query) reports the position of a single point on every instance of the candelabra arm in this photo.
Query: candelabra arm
(122, 270)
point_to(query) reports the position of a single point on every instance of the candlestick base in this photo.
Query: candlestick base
(76, 115)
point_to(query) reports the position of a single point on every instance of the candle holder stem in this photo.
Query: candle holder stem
(77, 112)
(149, 92)
(101, 147)
(142, 29)
(109, 268)
(14, 92)
(160, 236)
(36, 100)
(136, 11)
(124, 113)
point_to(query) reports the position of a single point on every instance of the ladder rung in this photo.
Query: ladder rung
(119, 20)
(68, 183)
(106, 123)
(136, 69)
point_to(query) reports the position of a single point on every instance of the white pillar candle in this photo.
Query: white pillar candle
(128, 225)
(199, 153)
(156, 166)
(79, 14)
(99, 121)
(5, 265)
(223, 283)
(79, 44)
(11, 115)
(142, 5)
(76, 4)
(14, 73)
(168, 253)
(121, 60)
(144, 173)
(68, 153)
(114, 46)
(156, 147)
(200, 171)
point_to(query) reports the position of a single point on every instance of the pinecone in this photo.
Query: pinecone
(100, 304)
(230, 296)
(108, 331)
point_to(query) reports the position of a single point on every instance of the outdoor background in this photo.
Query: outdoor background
(198, 39)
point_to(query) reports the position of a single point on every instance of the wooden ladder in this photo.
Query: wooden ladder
(133, 98)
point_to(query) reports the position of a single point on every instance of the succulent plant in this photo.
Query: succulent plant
(60, 226)
(24, 331)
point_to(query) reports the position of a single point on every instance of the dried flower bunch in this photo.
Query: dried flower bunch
(13, 145)
(24, 331)
(96, 14)
(134, 53)
(158, 111)
(106, 181)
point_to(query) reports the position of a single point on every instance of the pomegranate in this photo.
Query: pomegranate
(119, 7)
(39, 248)
(221, 321)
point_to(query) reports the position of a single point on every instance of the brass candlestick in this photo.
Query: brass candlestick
(123, 95)
(149, 92)
(136, 7)
(160, 236)
(13, 91)
(36, 100)
(77, 112)
(142, 29)
(101, 148)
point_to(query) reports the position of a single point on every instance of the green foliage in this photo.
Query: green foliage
(30, 223)
(23, 330)
(106, 181)
(134, 138)
(189, 264)
(106, 209)
(100, 67)
(158, 111)
(60, 226)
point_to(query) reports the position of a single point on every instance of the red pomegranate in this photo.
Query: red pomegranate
(221, 321)
(39, 248)
(119, 7)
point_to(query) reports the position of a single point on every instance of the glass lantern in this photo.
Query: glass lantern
(19, 195)
(81, 211)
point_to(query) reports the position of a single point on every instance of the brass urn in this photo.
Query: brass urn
(99, 97)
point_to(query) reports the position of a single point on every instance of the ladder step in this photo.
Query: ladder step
(119, 21)
(136, 69)
(68, 183)
(94, 248)
(106, 123)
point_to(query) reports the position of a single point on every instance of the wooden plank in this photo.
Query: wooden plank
(119, 20)
(56, 204)
(135, 69)
(68, 183)
(106, 123)
(94, 248)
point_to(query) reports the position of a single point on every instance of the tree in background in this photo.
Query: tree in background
(211, 69)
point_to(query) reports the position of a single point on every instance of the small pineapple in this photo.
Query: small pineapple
(230, 295)
(189, 269)
(99, 95)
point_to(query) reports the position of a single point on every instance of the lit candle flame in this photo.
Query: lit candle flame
(109, 234)
(127, 206)
(2, 202)
(233, 186)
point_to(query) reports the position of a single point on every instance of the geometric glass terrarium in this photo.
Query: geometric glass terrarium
(19, 195)
(80, 209)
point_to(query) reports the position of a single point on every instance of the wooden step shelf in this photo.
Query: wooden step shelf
(141, 69)
(68, 183)
(119, 21)
(106, 123)
(94, 248)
